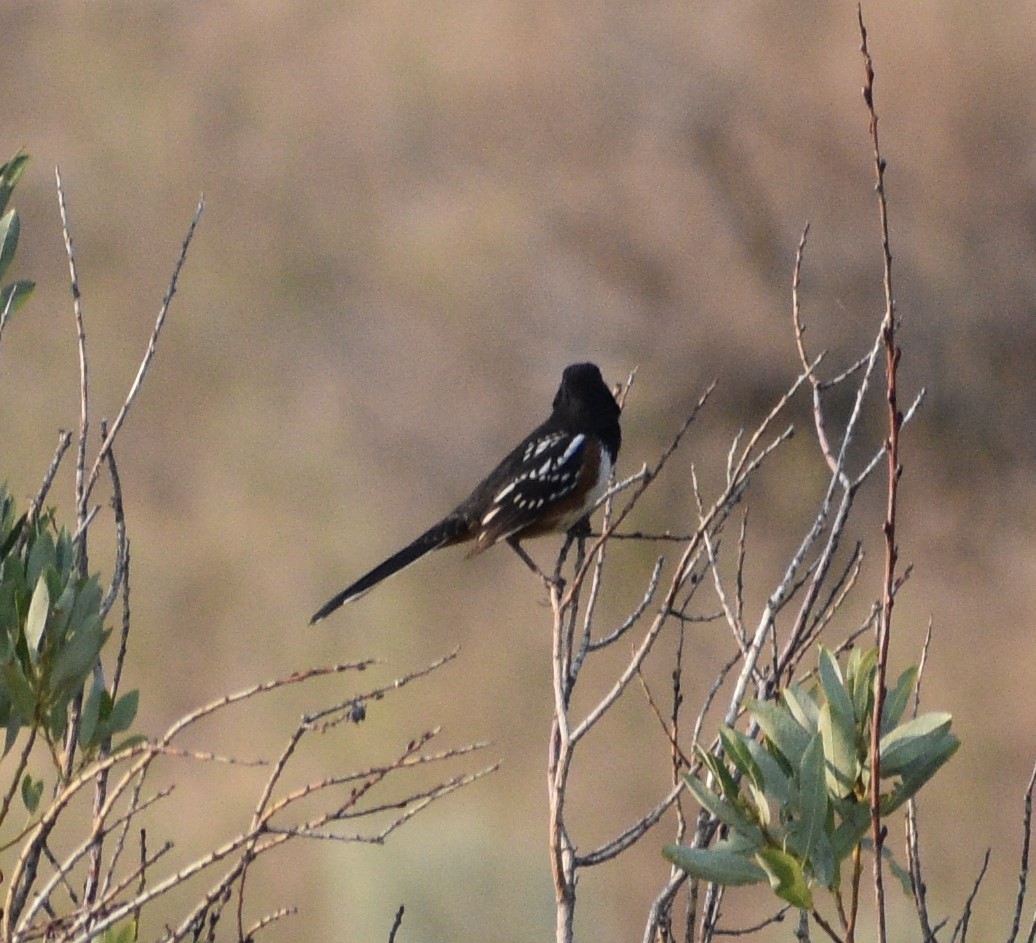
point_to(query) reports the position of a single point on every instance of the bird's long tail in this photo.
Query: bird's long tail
(447, 531)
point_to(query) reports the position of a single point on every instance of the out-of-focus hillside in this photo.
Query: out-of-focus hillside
(415, 218)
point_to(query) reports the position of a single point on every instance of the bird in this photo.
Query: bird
(549, 483)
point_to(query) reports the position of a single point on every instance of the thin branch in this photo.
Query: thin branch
(895, 470)
(961, 928)
(1023, 868)
(396, 923)
(64, 441)
(149, 354)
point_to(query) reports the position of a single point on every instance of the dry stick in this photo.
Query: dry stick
(259, 925)
(961, 928)
(396, 924)
(112, 913)
(120, 571)
(895, 419)
(800, 331)
(149, 354)
(82, 559)
(913, 841)
(739, 468)
(24, 873)
(16, 781)
(84, 373)
(64, 441)
(647, 476)
(100, 794)
(1023, 869)
(839, 478)
(266, 808)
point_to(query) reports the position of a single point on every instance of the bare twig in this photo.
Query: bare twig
(149, 354)
(895, 470)
(396, 923)
(960, 931)
(1023, 868)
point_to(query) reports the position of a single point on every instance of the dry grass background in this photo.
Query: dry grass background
(416, 217)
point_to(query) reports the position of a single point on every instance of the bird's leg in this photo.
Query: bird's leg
(531, 564)
(580, 529)
(577, 533)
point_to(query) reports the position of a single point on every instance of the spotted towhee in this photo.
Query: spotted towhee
(549, 483)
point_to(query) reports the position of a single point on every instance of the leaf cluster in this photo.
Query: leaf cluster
(51, 634)
(795, 803)
(15, 294)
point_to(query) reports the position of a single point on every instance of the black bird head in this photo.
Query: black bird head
(583, 401)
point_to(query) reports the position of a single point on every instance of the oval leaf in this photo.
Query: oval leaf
(896, 700)
(9, 227)
(32, 789)
(781, 729)
(725, 812)
(835, 690)
(839, 752)
(912, 742)
(720, 867)
(786, 877)
(36, 621)
(802, 706)
(124, 712)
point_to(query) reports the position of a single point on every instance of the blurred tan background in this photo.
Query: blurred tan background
(416, 216)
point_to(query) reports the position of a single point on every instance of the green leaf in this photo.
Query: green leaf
(20, 692)
(124, 933)
(735, 744)
(855, 820)
(10, 173)
(901, 873)
(726, 812)
(91, 714)
(860, 681)
(812, 804)
(40, 557)
(720, 773)
(77, 657)
(807, 833)
(835, 691)
(912, 742)
(920, 774)
(10, 530)
(13, 728)
(14, 295)
(720, 867)
(897, 699)
(839, 738)
(87, 601)
(761, 804)
(776, 782)
(786, 877)
(124, 712)
(36, 620)
(9, 229)
(781, 729)
(128, 743)
(802, 706)
(32, 789)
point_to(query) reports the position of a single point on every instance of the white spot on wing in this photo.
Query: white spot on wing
(573, 447)
(504, 492)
